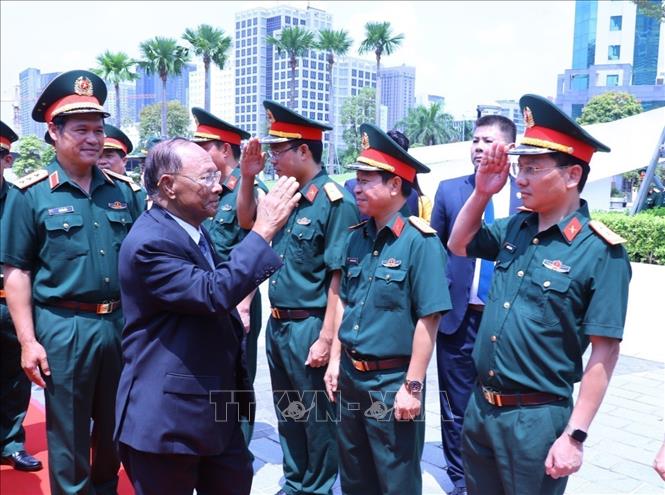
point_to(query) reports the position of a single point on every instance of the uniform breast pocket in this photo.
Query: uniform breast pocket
(303, 243)
(121, 222)
(502, 265)
(390, 288)
(547, 296)
(65, 236)
(351, 280)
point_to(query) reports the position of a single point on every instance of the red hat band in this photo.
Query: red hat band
(72, 102)
(5, 143)
(115, 144)
(544, 137)
(387, 162)
(209, 132)
(295, 131)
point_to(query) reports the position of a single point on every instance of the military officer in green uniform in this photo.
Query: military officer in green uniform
(60, 244)
(113, 160)
(14, 384)
(560, 283)
(222, 142)
(393, 294)
(303, 294)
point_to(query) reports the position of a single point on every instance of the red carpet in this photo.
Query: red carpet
(14, 482)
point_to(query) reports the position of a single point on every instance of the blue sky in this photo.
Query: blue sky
(469, 52)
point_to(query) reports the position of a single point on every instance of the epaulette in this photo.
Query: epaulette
(135, 187)
(604, 231)
(31, 178)
(358, 225)
(421, 225)
(333, 192)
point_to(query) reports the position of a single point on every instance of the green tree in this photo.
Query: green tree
(379, 39)
(356, 110)
(34, 154)
(608, 107)
(177, 122)
(295, 42)
(115, 68)
(212, 45)
(165, 57)
(651, 8)
(333, 43)
(428, 125)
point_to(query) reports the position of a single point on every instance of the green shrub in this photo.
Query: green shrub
(644, 233)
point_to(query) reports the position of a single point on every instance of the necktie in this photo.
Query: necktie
(203, 246)
(486, 267)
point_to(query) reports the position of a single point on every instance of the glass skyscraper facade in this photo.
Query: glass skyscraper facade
(584, 37)
(645, 54)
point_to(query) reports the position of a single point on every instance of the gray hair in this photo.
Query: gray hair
(162, 159)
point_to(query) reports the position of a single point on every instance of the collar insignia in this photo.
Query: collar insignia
(83, 86)
(231, 182)
(556, 265)
(572, 229)
(398, 226)
(117, 205)
(311, 193)
(303, 221)
(53, 180)
(391, 263)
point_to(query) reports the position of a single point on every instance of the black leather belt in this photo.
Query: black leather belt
(104, 308)
(295, 314)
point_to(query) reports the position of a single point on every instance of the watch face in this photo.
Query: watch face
(579, 435)
(414, 386)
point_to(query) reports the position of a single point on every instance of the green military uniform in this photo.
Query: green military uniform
(69, 240)
(391, 279)
(551, 292)
(311, 244)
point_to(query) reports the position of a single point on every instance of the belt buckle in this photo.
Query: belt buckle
(492, 397)
(104, 308)
(274, 312)
(359, 365)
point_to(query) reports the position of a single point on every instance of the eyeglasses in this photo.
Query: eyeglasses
(208, 181)
(528, 170)
(274, 155)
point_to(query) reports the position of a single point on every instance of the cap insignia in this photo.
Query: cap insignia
(364, 142)
(270, 117)
(528, 117)
(83, 86)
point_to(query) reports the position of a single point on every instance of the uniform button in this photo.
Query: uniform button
(369, 278)
(387, 277)
(375, 253)
(274, 282)
(506, 305)
(491, 373)
(107, 280)
(65, 225)
(356, 327)
(493, 338)
(96, 224)
(101, 251)
(520, 274)
(362, 303)
(546, 283)
(288, 231)
(281, 256)
(535, 240)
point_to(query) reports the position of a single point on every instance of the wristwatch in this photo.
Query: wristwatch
(414, 385)
(575, 434)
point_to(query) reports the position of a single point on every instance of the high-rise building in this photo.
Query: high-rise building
(127, 103)
(426, 100)
(508, 108)
(616, 47)
(149, 88)
(222, 89)
(32, 82)
(398, 92)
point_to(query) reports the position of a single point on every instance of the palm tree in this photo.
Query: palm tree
(379, 39)
(115, 68)
(211, 44)
(295, 42)
(165, 57)
(333, 43)
(428, 125)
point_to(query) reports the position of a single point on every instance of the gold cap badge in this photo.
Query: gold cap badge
(364, 142)
(83, 86)
(528, 117)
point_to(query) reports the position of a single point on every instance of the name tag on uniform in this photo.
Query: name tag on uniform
(61, 210)
(117, 205)
(351, 261)
(509, 247)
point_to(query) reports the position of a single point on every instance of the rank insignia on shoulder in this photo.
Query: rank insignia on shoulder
(303, 221)
(333, 192)
(31, 179)
(421, 225)
(117, 205)
(556, 265)
(391, 263)
(226, 207)
(61, 210)
(124, 178)
(604, 231)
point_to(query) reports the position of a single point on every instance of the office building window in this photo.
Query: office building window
(612, 80)
(580, 82)
(615, 23)
(613, 52)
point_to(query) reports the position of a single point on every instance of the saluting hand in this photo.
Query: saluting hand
(407, 404)
(33, 359)
(253, 159)
(274, 209)
(564, 457)
(493, 170)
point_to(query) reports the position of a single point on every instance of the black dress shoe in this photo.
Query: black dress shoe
(22, 461)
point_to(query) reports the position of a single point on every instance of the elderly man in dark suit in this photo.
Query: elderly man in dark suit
(469, 280)
(184, 383)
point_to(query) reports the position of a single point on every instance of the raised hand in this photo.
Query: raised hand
(493, 170)
(275, 208)
(253, 159)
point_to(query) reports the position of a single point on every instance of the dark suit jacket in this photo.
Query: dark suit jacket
(182, 337)
(450, 197)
